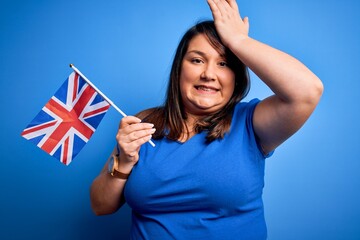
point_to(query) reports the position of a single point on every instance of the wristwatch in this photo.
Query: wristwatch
(112, 168)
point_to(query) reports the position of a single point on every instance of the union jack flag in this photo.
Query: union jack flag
(68, 120)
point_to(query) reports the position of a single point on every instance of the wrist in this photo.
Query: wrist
(124, 167)
(238, 42)
(115, 169)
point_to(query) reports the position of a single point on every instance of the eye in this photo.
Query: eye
(196, 60)
(223, 64)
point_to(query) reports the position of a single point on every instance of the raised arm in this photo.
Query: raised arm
(106, 193)
(296, 89)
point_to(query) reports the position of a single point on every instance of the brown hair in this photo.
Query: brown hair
(169, 118)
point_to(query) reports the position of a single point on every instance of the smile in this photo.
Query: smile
(206, 88)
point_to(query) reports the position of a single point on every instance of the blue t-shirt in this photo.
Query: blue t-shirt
(199, 190)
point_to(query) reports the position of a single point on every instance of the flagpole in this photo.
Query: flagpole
(102, 95)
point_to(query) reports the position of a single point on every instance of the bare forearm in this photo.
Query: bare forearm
(106, 191)
(106, 194)
(297, 90)
(287, 77)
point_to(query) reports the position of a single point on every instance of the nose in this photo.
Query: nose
(209, 73)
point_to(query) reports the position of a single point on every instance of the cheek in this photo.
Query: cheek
(229, 83)
(187, 75)
(230, 92)
(184, 86)
(187, 79)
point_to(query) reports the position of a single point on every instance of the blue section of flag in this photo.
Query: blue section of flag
(95, 121)
(78, 145)
(61, 93)
(97, 99)
(36, 140)
(41, 117)
(82, 83)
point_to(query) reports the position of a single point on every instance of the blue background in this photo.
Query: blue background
(126, 47)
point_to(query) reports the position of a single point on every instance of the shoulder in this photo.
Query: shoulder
(243, 116)
(243, 123)
(246, 108)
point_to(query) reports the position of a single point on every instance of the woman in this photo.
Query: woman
(204, 179)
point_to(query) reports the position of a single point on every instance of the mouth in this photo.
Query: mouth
(205, 88)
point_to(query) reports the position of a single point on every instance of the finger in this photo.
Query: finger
(132, 148)
(233, 4)
(136, 127)
(234, 7)
(141, 141)
(128, 120)
(133, 132)
(130, 123)
(136, 135)
(246, 22)
(222, 6)
(214, 9)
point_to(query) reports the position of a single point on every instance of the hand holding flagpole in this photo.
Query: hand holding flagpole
(103, 95)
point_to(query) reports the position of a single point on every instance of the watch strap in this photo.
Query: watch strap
(120, 175)
(115, 172)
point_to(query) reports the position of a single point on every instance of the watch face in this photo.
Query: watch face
(111, 164)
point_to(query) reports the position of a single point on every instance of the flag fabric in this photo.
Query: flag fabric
(66, 123)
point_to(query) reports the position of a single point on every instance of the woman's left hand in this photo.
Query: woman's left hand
(229, 25)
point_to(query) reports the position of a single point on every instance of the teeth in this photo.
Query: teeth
(205, 89)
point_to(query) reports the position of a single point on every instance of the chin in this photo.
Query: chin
(201, 110)
(202, 107)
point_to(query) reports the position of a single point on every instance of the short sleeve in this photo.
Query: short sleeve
(245, 111)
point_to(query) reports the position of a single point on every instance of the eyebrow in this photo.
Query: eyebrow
(202, 53)
(197, 52)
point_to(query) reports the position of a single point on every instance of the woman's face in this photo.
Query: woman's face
(206, 81)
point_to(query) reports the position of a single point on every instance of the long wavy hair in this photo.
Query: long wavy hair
(169, 119)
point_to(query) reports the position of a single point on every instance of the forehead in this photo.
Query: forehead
(201, 43)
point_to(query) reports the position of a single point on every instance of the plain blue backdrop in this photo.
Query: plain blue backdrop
(126, 47)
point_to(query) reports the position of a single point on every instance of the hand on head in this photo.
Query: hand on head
(228, 22)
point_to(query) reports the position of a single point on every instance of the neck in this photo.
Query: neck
(188, 130)
(190, 121)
